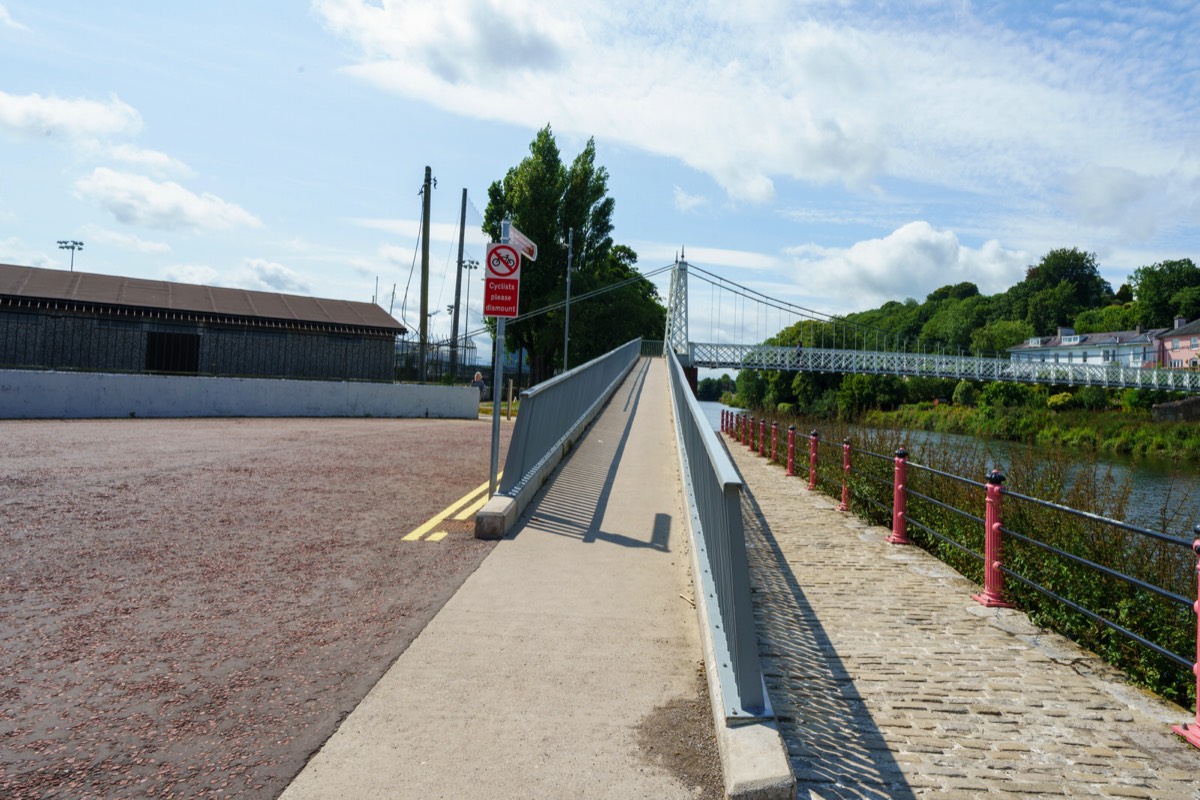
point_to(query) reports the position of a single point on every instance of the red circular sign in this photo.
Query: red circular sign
(503, 260)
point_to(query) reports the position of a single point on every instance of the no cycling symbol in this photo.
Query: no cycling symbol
(503, 261)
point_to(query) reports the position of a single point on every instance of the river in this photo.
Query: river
(1152, 480)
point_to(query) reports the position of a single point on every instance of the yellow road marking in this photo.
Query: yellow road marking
(469, 500)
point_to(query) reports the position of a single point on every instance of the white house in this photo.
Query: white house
(1137, 348)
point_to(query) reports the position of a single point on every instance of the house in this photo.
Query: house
(1179, 347)
(77, 321)
(1136, 348)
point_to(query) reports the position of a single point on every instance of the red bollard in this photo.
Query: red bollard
(723, 420)
(762, 437)
(774, 440)
(791, 467)
(1191, 731)
(993, 578)
(742, 430)
(750, 436)
(813, 438)
(845, 506)
(900, 500)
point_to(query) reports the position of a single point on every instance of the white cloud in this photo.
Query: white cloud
(15, 251)
(685, 202)
(910, 262)
(153, 160)
(827, 92)
(137, 200)
(411, 230)
(122, 241)
(255, 274)
(267, 276)
(7, 21)
(193, 273)
(34, 115)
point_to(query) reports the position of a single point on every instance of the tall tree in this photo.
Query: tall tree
(545, 200)
(1155, 288)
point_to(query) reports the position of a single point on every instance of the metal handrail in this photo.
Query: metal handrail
(713, 490)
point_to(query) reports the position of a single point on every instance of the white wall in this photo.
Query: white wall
(32, 394)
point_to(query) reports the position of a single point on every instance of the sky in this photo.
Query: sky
(834, 154)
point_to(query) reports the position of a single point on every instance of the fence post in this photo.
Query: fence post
(1191, 731)
(762, 437)
(993, 577)
(750, 436)
(791, 467)
(774, 440)
(900, 500)
(813, 439)
(741, 428)
(845, 506)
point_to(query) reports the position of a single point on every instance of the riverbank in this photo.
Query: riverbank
(1127, 432)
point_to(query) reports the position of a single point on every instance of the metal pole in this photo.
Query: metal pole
(462, 232)
(814, 439)
(845, 506)
(567, 329)
(900, 500)
(497, 380)
(791, 465)
(424, 326)
(993, 578)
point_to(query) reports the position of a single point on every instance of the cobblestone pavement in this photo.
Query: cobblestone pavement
(891, 682)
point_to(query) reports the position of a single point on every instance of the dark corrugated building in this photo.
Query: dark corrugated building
(51, 319)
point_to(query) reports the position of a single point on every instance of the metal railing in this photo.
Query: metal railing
(1129, 593)
(940, 365)
(713, 492)
(554, 414)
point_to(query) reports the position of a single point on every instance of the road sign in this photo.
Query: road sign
(503, 261)
(502, 281)
(523, 243)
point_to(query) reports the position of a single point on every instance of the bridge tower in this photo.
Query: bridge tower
(676, 336)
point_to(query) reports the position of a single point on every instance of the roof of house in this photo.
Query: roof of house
(1110, 338)
(1190, 329)
(86, 289)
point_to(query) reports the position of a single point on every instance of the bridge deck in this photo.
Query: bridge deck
(939, 365)
(891, 682)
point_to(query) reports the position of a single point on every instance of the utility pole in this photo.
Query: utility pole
(462, 232)
(567, 329)
(425, 192)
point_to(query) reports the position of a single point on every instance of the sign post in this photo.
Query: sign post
(502, 291)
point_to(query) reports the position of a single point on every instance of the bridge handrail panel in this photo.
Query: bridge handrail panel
(555, 410)
(713, 490)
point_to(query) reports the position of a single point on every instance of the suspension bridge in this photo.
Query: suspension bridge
(843, 346)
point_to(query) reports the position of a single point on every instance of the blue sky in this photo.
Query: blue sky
(833, 153)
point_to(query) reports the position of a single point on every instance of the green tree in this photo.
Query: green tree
(997, 337)
(1187, 302)
(1155, 288)
(546, 199)
(1110, 318)
(750, 388)
(955, 321)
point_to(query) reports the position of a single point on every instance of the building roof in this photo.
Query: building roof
(1110, 338)
(1190, 329)
(108, 291)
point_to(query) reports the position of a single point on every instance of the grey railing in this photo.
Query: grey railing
(940, 365)
(555, 413)
(713, 491)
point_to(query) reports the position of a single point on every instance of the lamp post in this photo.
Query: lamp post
(72, 245)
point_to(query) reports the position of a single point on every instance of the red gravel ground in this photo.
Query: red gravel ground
(189, 608)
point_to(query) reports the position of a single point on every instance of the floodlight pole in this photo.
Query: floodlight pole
(462, 226)
(424, 336)
(72, 245)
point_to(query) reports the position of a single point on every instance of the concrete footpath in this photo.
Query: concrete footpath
(891, 682)
(533, 679)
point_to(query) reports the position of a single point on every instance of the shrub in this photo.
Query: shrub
(964, 394)
(1060, 401)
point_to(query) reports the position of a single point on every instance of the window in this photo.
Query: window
(172, 352)
(1070, 340)
(1174, 344)
(1195, 342)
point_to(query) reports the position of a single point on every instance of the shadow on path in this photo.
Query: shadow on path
(579, 493)
(836, 749)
